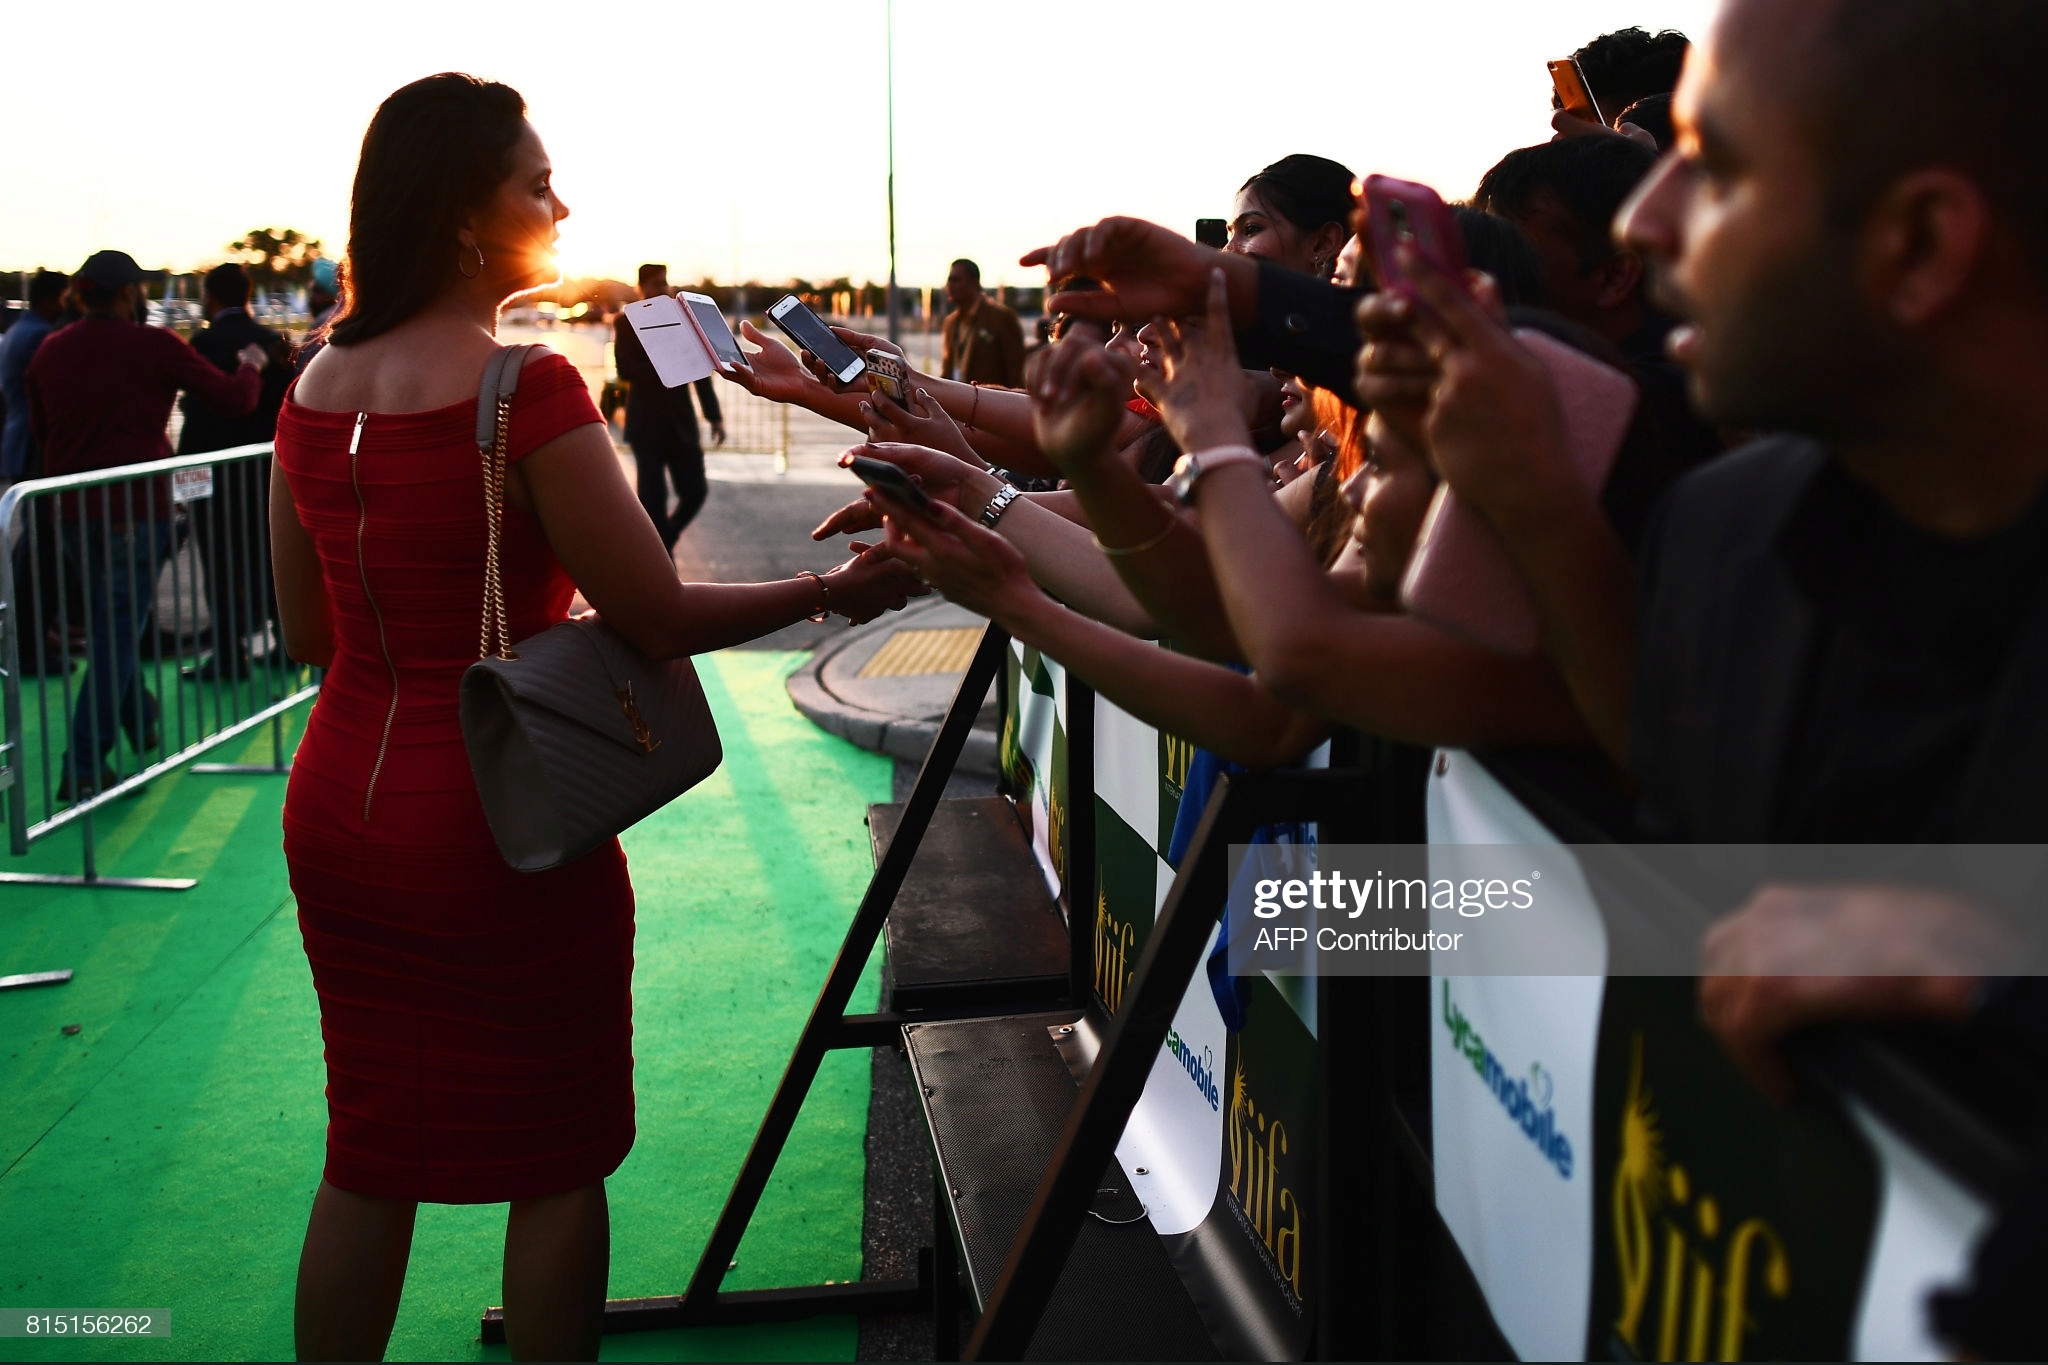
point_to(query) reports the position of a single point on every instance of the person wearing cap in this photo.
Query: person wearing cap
(100, 393)
(323, 292)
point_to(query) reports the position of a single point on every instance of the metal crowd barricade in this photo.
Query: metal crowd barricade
(753, 426)
(138, 631)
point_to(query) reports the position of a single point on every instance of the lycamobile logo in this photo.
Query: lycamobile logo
(1201, 1068)
(1527, 1101)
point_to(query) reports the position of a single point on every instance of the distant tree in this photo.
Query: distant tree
(275, 258)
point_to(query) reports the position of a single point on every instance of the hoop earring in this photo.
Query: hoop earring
(471, 274)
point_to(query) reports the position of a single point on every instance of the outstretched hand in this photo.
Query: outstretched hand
(1078, 390)
(969, 563)
(921, 422)
(1201, 390)
(873, 581)
(1145, 270)
(944, 477)
(773, 372)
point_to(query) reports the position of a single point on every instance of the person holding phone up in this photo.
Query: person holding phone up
(661, 428)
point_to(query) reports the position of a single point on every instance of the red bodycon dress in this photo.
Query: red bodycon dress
(478, 1021)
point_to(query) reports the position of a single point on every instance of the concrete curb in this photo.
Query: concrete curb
(905, 737)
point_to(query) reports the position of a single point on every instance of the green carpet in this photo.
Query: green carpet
(165, 1155)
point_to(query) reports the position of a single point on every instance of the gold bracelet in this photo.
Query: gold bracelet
(1120, 551)
(824, 611)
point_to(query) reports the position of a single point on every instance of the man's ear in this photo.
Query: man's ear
(1619, 279)
(1922, 243)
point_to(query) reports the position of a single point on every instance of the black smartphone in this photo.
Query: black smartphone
(888, 479)
(1212, 232)
(809, 331)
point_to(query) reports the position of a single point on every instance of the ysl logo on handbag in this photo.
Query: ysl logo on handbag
(641, 734)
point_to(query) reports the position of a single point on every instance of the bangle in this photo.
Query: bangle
(1119, 551)
(999, 504)
(974, 411)
(824, 611)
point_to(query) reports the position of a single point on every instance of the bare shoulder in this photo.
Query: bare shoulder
(419, 366)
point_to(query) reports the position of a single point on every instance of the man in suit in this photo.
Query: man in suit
(984, 342)
(232, 526)
(661, 427)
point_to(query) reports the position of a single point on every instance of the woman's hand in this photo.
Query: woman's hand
(870, 583)
(862, 343)
(775, 373)
(969, 563)
(1492, 423)
(942, 476)
(1078, 390)
(1397, 372)
(1202, 391)
(921, 423)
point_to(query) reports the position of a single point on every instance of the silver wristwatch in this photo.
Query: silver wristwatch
(999, 504)
(1190, 468)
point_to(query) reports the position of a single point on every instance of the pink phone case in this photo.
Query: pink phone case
(1399, 211)
(1460, 577)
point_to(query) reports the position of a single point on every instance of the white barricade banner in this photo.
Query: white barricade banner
(1621, 1192)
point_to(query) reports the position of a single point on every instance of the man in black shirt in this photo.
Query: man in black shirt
(231, 524)
(661, 427)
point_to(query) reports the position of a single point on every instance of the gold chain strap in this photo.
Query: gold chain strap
(495, 621)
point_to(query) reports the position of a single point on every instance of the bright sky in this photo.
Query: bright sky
(678, 134)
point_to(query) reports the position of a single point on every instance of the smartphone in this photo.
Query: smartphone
(717, 337)
(1574, 96)
(679, 354)
(888, 479)
(885, 375)
(1460, 578)
(807, 330)
(1212, 232)
(1401, 212)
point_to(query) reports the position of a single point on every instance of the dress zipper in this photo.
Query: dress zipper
(355, 440)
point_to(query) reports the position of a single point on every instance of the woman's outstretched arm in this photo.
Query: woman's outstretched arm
(597, 528)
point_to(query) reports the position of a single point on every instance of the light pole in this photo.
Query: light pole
(889, 80)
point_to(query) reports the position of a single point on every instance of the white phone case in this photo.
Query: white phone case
(672, 341)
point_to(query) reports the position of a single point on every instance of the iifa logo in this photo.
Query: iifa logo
(1258, 1145)
(1699, 1291)
(1201, 1069)
(1527, 1101)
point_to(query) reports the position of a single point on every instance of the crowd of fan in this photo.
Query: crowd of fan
(1804, 607)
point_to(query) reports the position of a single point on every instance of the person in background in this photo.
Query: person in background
(661, 427)
(100, 394)
(230, 524)
(1295, 213)
(1652, 118)
(323, 293)
(19, 457)
(39, 583)
(1564, 195)
(1621, 68)
(984, 342)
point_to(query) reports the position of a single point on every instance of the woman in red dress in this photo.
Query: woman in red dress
(477, 1020)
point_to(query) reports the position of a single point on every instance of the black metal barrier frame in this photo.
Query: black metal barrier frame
(1392, 1281)
(829, 1028)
